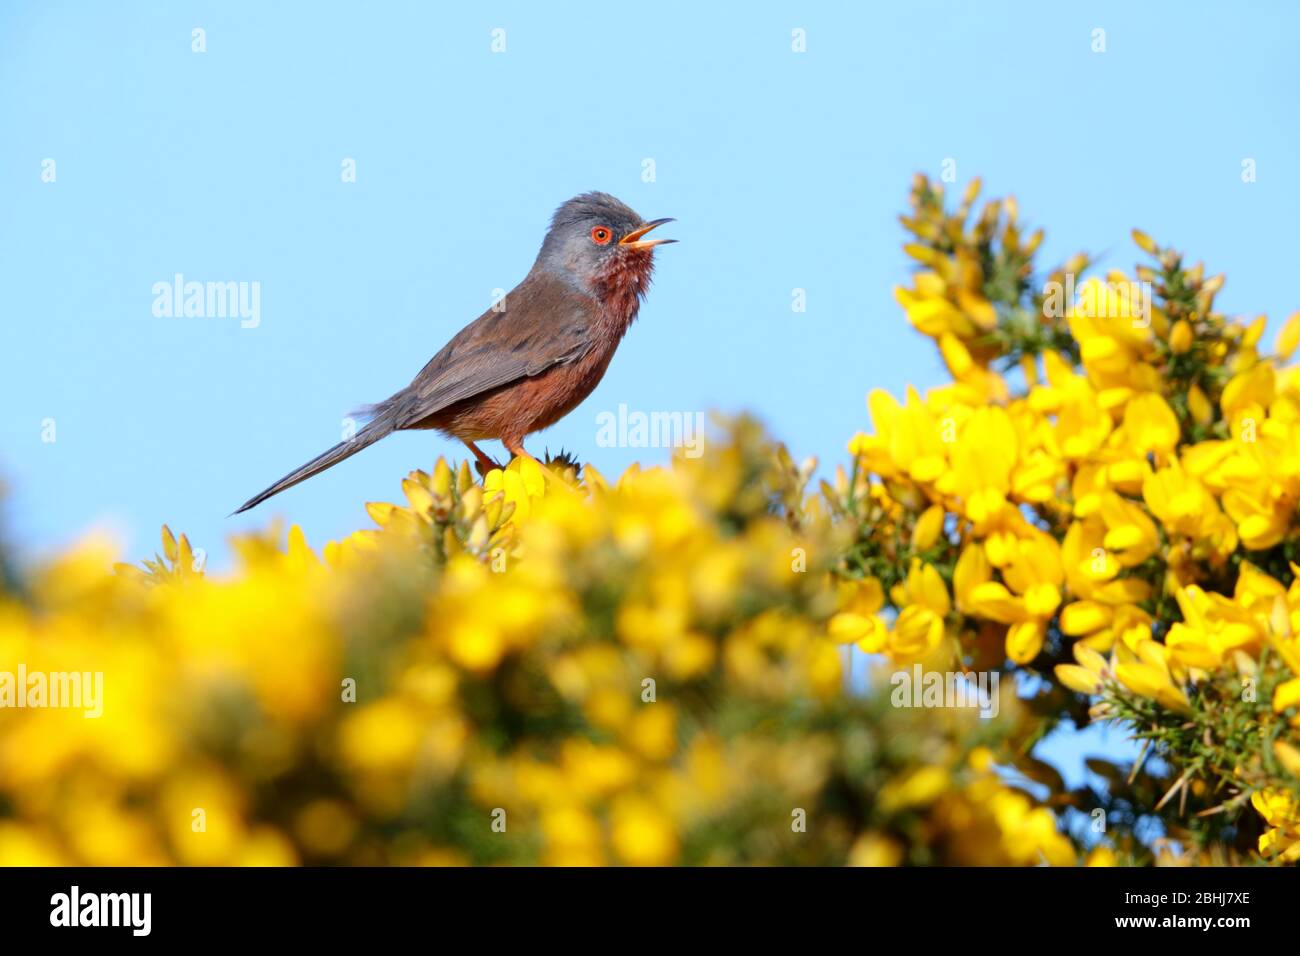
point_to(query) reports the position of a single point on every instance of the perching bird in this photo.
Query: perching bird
(535, 355)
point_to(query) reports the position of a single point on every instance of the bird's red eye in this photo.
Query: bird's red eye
(600, 235)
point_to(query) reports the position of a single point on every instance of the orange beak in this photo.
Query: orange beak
(633, 239)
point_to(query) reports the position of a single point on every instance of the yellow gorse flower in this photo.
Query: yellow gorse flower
(1116, 502)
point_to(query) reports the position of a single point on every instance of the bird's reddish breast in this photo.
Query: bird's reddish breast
(622, 286)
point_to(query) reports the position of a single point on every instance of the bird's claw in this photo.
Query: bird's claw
(484, 465)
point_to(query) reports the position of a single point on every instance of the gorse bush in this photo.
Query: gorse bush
(548, 667)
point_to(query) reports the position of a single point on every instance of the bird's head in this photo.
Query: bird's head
(598, 244)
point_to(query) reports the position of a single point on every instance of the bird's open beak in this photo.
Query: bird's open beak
(633, 239)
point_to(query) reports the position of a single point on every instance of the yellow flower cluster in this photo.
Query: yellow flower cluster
(534, 669)
(1110, 477)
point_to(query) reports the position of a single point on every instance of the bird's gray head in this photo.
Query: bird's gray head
(596, 241)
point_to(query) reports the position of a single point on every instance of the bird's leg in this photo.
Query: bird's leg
(482, 463)
(516, 448)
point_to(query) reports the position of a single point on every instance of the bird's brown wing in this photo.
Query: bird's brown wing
(542, 323)
(539, 324)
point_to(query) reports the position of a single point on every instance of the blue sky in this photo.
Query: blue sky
(785, 170)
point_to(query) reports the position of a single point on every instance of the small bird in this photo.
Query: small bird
(536, 354)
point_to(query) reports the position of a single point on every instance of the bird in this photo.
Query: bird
(535, 354)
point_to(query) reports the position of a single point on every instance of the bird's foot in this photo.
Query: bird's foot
(482, 463)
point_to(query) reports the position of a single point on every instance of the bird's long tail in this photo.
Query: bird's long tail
(382, 425)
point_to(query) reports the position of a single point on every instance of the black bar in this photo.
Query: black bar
(215, 906)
